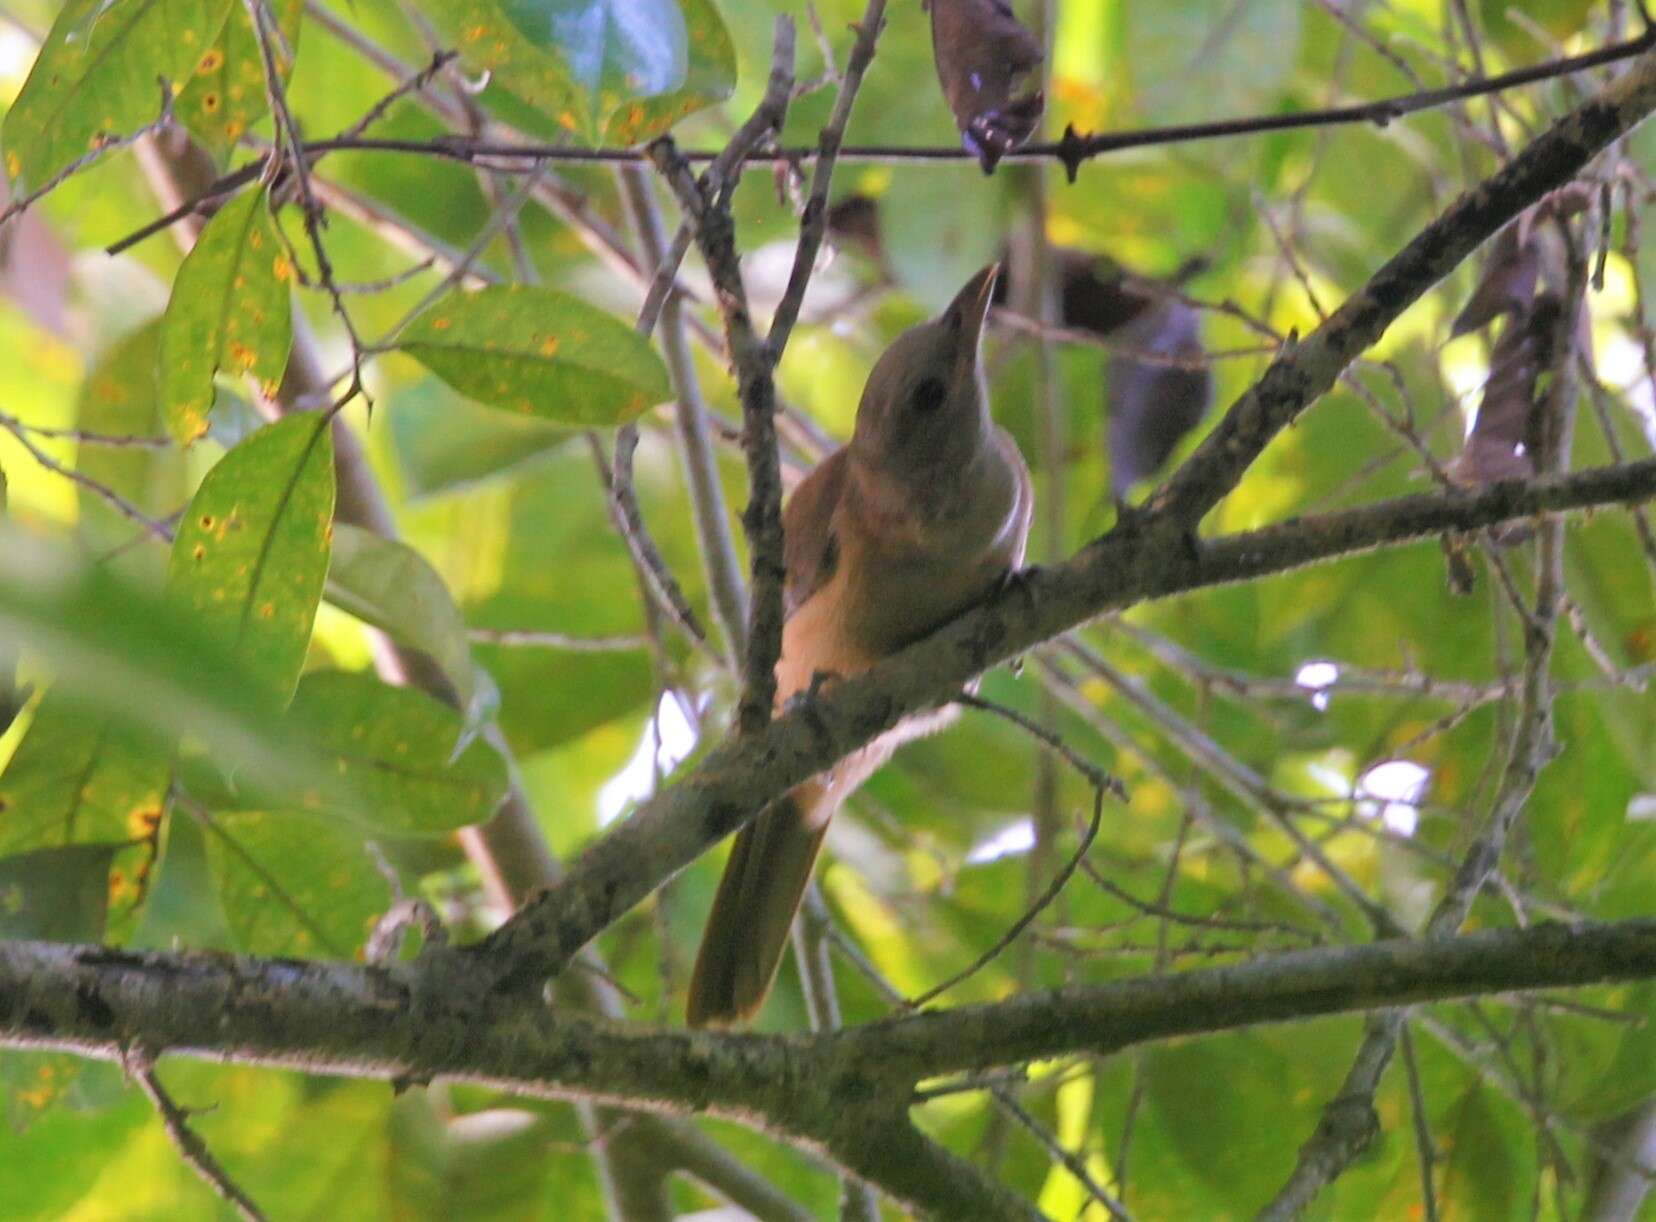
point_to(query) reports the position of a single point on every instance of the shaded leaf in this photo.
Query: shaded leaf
(393, 747)
(81, 774)
(56, 895)
(709, 78)
(225, 93)
(98, 76)
(984, 59)
(390, 586)
(292, 884)
(182, 906)
(121, 398)
(251, 554)
(444, 441)
(13, 696)
(228, 313)
(123, 651)
(539, 352)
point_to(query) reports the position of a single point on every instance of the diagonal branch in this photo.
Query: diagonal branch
(1149, 554)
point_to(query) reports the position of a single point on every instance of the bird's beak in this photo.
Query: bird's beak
(970, 308)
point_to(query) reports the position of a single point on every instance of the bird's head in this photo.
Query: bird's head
(925, 404)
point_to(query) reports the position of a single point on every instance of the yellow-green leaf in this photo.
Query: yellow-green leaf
(121, 397)
(228, 312)
(98, 76)
(80, 775)
(251, 554)
(392, 749)
(225, 94)
(539, 352)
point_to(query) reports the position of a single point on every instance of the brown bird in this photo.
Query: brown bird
(922, 514)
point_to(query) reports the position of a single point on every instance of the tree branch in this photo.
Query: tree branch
(1070, 151)
(417, 1022)
(1150, 554)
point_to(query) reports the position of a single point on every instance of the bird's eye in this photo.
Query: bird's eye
(928, 396)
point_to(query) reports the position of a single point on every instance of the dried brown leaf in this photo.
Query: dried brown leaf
(989, 68)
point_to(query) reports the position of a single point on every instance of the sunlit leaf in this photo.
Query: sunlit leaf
(81, 774)
(121, 398)
(539, 352)
(228, 313)
(98, 76)
(251, 554)
(225, 93)
(489, 40)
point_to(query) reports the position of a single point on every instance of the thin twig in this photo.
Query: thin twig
(140, 1066)
(706, 206)
(813, 225)
(1070, 151)
(115, 500)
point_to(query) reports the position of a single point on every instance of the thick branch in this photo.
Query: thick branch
(1127, 566)
(1150, 554)
(417, 1023)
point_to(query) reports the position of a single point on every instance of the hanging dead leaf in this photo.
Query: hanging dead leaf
(1159, 389)
(989, 68)
(1502, 441)
(1508, 281)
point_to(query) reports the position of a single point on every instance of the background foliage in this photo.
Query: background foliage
(209, 760)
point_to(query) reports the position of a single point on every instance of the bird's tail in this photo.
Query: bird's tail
(763, 883)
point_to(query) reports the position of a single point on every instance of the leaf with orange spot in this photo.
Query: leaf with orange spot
(251, 553)
(79, 775)
(121, 397)
(392, 752)
(96, 78)
(228, 312)
(538, 352)
(224, 93)
(709, 78)
(293, 884)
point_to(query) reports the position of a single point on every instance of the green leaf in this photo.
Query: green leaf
(98, 77)
(643, 64)
(489, 41)
(710, 78)
(228, 312)
(226, 93)
(394, 750)
(251, 554)
(121, 397)
(291, 884)
(390, 586)
(56, 895)
(81, 774)
(182, 906)
(444, 441)
(125, 652)
(539, 352)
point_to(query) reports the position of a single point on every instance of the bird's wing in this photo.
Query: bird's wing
(810, 549)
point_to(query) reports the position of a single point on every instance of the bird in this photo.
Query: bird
(920, 515)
